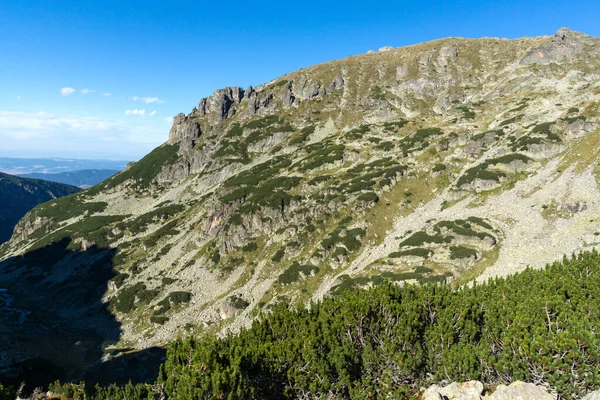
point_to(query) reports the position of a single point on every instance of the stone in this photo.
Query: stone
(592, 396)
(520, 391)
(471, 390)
(385, 48)
(338, 83)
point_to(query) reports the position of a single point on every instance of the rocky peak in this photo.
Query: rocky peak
(220, 104)
(564, 44)
(183, 129)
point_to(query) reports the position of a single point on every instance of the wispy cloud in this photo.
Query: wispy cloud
(149, 100)
(141, 112)
(153, 112)
(107, 94)
(86, 91)
(18, 98)
(47, 134)
(67, 91)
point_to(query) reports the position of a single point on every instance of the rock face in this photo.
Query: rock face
(184, 129)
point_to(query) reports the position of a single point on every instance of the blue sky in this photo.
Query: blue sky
(126, 67)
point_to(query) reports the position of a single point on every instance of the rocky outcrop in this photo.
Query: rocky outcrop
(184, 129)
(221, 104)
(565, 44)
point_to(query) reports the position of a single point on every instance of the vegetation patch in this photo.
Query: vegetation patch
(144, 171)
(293, 273)
(462, 252)
(417, 251)
(420, 238)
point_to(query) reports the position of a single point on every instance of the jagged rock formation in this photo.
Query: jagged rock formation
(451, 160)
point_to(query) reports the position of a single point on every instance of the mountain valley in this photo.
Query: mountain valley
(454, 161)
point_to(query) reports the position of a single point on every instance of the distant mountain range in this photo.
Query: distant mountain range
(19, 195)
(24, 166)
(82, 179)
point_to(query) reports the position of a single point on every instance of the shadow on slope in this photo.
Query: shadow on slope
(53, 322)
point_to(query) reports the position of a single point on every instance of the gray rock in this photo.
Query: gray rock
(385, 48)
(184, 129)
(220, 104)
(338, 83)
(520, 391)
(287, 96)
(566, 44)
(592, 396)
(455, 391)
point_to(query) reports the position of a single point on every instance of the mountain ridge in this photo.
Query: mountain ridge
(83, 179)
(19, 195)
(452, 160)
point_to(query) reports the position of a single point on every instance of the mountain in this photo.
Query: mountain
(82, 178)
(448, 161)
(23, 166)
(19, 195)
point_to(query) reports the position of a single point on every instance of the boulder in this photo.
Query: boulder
(455, 391)
(592, 396)
(520, 391)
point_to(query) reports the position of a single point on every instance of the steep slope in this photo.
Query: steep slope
(19, 195)
(445, 161)
(83, 178)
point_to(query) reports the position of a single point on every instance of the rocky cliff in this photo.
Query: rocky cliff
(453, 160)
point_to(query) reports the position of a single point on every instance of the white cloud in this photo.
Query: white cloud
(135, 112)
(67, 91)
(168, 120)
(18, 98)
(107, 94)
(153, 112)
(149, 100)
(86, 91)
(44, 134)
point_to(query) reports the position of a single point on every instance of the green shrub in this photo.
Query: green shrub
(278, 255)
(417, 251)
(250, 247)
(538, 324)
(460, 252)
(439, 167)
(420, 238)
(292, 274)
(369, 197)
